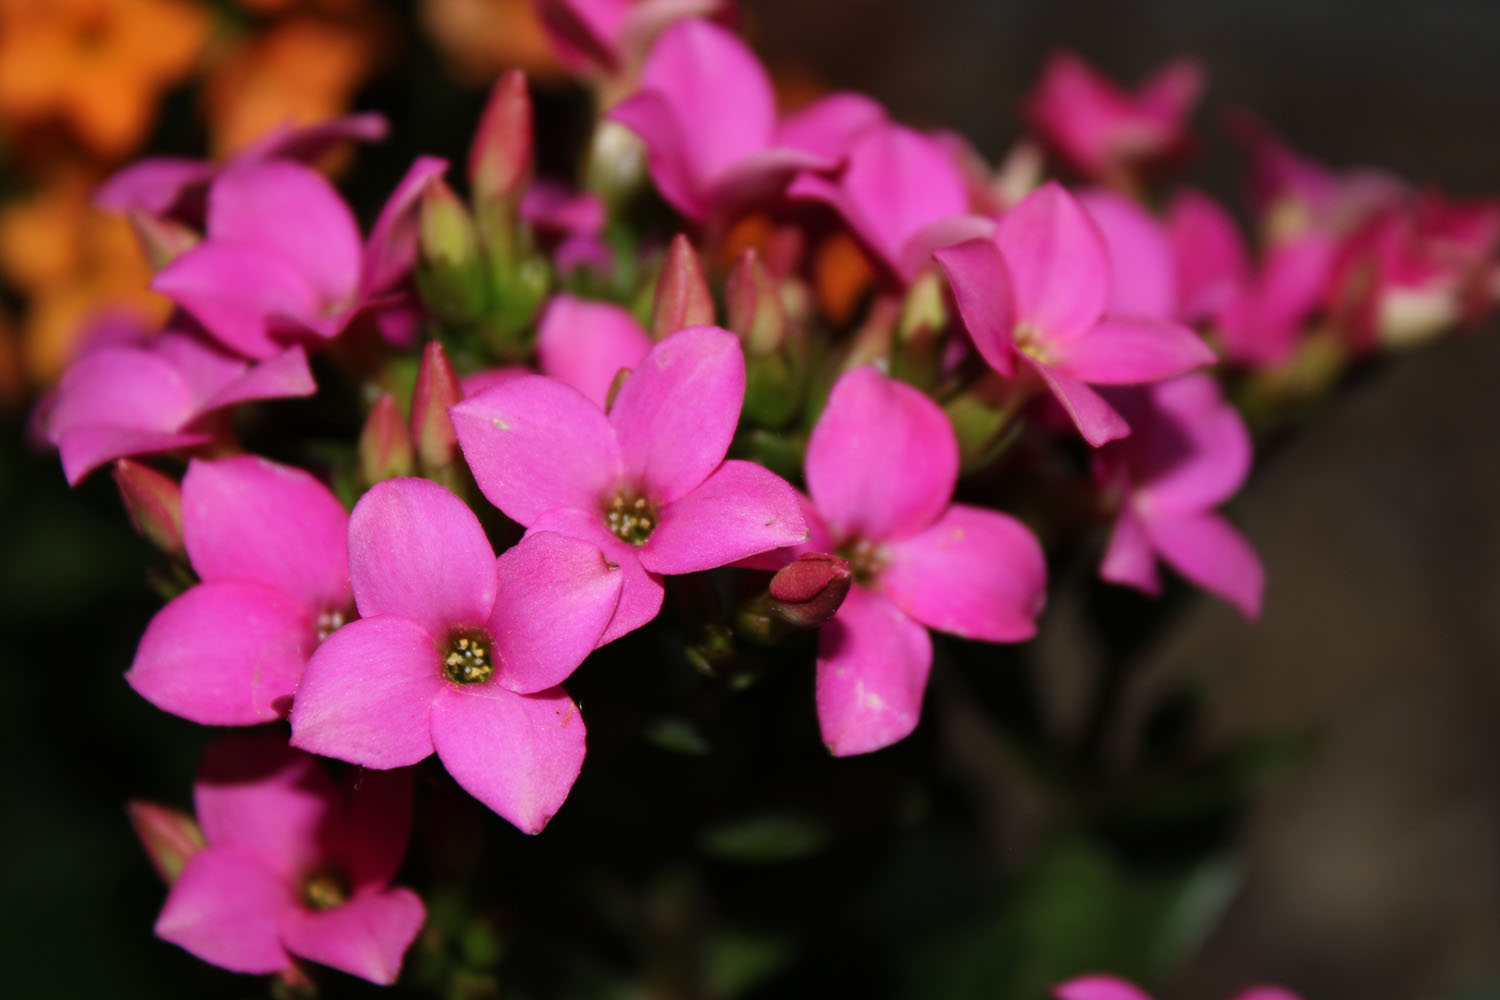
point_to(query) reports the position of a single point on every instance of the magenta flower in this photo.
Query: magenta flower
(881, 466)
(568, 224)
(174, 187)
(457, 652)
(294, 865)
(647, 484)
(614, 35)
(1188, 452)
(901, 195)
(1099, 987)
(1039, 292)
(585, 344)
(1142, 267)
(268, 542)
(1106, 133)
(122, 399)
(282, 258)
(707, 113)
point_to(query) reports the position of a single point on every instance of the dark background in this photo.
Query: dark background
(1372, 869)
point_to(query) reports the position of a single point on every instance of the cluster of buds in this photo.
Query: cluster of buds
(611, 416)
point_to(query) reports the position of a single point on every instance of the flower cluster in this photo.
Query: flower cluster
(600, 427)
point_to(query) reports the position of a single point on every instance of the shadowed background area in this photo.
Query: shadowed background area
(1372, 865)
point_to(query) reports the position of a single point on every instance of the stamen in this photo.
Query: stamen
(631, 518)
(468, 660)
(330, 621)
(323, 890)
(866, 559)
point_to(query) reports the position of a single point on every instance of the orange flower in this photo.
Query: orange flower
(97, 66)
(302, 70)
(72, 261)
(483, 37)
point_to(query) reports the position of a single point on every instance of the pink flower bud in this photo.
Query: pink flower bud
(451, 271)
(756, 312)
(170, 837)
(808, 591)
(154, 503)
(385, 449)
(682, 295)
(500, 158)
(437, 389)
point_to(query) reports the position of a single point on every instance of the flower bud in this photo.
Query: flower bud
(682, 295)
(500, 158)
(170, 837)
(154, 503)
(807, 592)
(385, 448)
(450, 271)
(162, 240)
(754, 305)
(431, 430)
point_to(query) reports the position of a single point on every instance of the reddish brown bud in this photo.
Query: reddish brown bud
(169, 836)
(385, 449)
(682, 295)
(154, 503)
(431, 430)
(807, 592)
(754, 304)
(500, 158)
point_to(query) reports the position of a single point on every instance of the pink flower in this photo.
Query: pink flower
(1142, 268)
(585, 344)
(613, 36)
(707, 113)
(174, 187)
(881, 466)
(1039, 292)
(568, 224)
(1188, 452)
(294, 865)
(268, 542)
(282, 258)
(901, 194)
(1099, 987)
(1109, 134)
(457, 652)
(648, 483)
(153, 395)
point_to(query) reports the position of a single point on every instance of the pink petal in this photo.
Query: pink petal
(278, 377)
(715, 85)
(1095, 419)
(641, 592)
(237, 292)
(872, 672)
(759, 177)
(377, 826)
(365, 694)
(556, 595)
(1128, 350)
(1130, 560)
(585, 344)
(739, 510)
(917, 252)
(676, 414)
(1098, 988)
(224, 908)
(535, 444)
(418, 551)
(584, 31)
(981, 288)
(365, 937)
(121, 387)
(830, 125)
(1266, 993)
(204, 365)
(1212, 263)
(882, 460)
(1143, 274)
(819, 539)
(245, 518)
(518, 754)
(225, 653)
(649, 114)
(310, 143)
(392, 249)
(1059, 267)
(84, 449)
(975, 573)
(255, 793)
(1208, 551)
(155, 185)
(1195, 450)
(291, 212)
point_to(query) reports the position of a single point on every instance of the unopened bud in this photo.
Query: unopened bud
(754, 304)
(808, 592)
(436, 390)
(385, 447)
(154, 503)
(162, 240)
(500, 158)
(450, 272)
(682, 295)
(169, 836)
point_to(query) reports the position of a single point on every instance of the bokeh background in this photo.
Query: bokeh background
(1371, 865)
